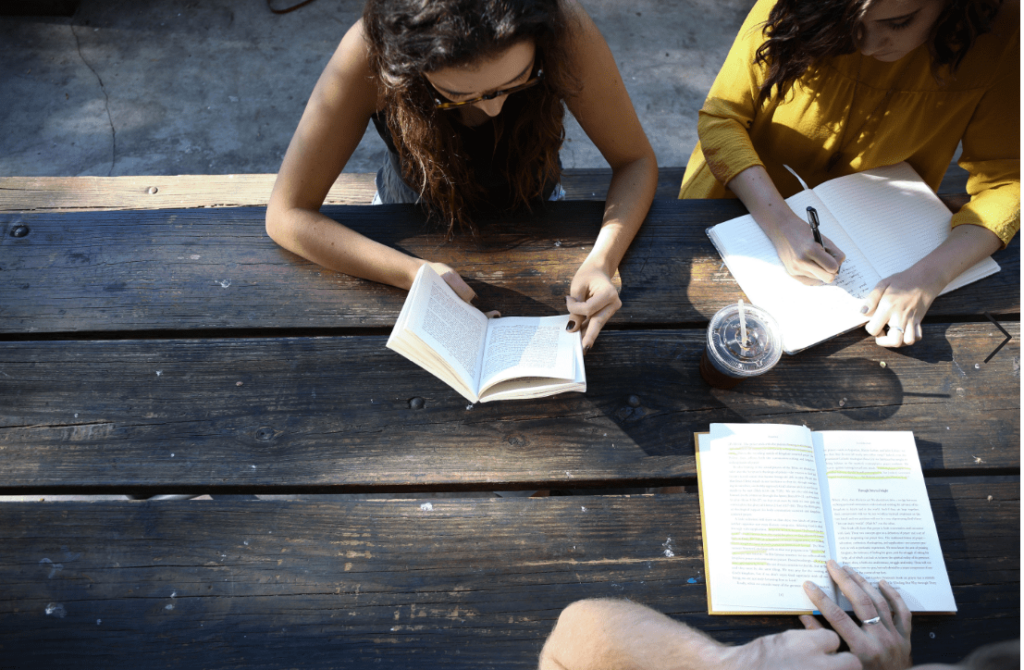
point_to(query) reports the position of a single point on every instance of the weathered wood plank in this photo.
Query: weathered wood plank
(203, 268)
(456, 583)
(334, 414)
(72, 194)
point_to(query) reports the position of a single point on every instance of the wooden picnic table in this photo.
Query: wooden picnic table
(154, 340)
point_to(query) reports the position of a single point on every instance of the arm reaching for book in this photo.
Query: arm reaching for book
(901, 300)
(884, 645)
(804, 258)
(618, 634)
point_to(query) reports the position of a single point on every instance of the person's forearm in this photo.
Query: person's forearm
(629, 198)
(329, 244)
(756, 190)
(621, 635)
(965, 246)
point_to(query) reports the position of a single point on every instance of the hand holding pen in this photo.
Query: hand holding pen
(836, 255)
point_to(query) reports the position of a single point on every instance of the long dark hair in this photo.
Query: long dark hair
(802, 33)
(409, 37)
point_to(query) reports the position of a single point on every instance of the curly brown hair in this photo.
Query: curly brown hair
(409, 37)
(802, 33)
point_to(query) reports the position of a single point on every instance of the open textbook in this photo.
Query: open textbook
(485, 359)
(777, 502)
(885, 220)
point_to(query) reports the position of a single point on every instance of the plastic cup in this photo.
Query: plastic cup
(726, 361)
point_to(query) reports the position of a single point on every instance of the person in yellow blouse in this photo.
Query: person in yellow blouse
(833, 87)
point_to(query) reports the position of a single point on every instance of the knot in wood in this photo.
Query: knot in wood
(20, 230)
(633, 401)
(264, 433)
(417, 403)
(516, 439)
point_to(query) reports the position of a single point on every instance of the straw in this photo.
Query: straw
(742, 325)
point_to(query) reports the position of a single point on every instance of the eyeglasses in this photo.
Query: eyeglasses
(533, 81)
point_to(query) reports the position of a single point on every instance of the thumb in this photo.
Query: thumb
(459, 285)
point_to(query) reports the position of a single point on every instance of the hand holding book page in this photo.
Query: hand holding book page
(880, 519)
(886, 220)
(485, 359)
(777, 502)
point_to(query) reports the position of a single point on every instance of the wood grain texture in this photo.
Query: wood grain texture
(395, 584)
(214, 269)
(334, 414)
(72, 194)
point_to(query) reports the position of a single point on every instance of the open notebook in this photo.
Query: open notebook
(886, 220)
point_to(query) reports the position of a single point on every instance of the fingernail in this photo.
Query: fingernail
(569, 326)
(864, 309)
(811, 585)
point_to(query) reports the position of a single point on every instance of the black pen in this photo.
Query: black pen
(812, 218)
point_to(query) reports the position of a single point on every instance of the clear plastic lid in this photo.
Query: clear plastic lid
(758, 354)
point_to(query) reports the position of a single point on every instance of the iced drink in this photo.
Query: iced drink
(727, 358)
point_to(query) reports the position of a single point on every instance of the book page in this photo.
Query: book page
(444, 322)
(880, 515)
(763, 517)
(541, 387)
(806, 314)
(894, 217)
(527, 347)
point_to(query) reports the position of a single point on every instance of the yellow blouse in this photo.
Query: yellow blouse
(876, 114)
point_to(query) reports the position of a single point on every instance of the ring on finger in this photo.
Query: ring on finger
(871, 622)
(896, 328)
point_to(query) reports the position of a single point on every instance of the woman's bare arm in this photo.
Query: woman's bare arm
(331, 127)
(606, 114)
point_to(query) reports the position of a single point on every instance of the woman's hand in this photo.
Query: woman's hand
(452, 278)
(884, 645)
(900, 301)
(459, 285)
(805, 260)
(591, 301)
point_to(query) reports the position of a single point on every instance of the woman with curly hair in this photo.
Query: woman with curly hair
(469, 97)
(833, 87)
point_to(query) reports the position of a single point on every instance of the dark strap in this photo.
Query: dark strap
(289, 9)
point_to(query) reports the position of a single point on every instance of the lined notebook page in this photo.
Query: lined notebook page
(806, 314)
(895, 219)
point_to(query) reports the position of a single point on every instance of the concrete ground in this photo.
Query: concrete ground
(217, 87)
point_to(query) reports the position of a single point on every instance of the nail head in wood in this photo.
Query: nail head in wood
(417, 403)
(21, 230)
(633, 401)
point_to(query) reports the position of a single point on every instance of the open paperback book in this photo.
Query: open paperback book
(777, 502)
(885, 220)
(485, 359)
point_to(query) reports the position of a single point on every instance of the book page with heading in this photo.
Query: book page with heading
(881, 524)
(763, 518)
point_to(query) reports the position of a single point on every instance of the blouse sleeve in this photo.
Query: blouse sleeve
(991, 156)
(729, 110)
